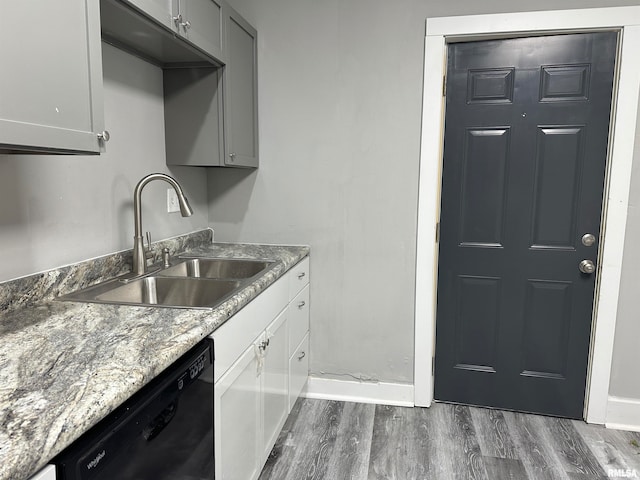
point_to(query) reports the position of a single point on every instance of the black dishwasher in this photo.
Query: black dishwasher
(163, 432)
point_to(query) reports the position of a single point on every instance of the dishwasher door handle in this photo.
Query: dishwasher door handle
(155, 426)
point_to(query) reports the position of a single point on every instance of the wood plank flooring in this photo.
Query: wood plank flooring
(328, 440)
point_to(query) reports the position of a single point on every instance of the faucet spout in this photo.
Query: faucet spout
(139, 257)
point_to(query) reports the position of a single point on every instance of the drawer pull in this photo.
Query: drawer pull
(301, 275)
(301, 304)
(301, 356)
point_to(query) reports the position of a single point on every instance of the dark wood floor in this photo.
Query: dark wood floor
(353, 441)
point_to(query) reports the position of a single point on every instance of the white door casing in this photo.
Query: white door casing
(443, 30)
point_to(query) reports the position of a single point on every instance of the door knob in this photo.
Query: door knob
(587, 266)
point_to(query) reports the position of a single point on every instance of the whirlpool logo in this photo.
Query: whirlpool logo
(94, 463)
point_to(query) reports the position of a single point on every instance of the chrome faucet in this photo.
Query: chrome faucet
(139, 253)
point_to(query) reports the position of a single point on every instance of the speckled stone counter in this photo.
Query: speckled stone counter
(66, 365)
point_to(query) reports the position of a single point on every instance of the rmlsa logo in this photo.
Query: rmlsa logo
(622, 473)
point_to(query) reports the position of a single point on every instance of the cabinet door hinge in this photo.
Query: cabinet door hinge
(433, 366)
(444, 85)
(438, 232)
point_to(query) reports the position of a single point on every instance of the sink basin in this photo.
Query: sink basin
(192, 283)
(176, 292)
(160, 291)
(221, 268)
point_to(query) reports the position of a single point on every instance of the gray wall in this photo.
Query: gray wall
(340, 88)
(56, 210)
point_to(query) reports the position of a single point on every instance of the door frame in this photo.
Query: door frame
(443, 30)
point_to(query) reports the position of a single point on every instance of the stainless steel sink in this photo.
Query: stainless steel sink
(157, 291)
(170, 292)
(221, 268)
(192, 283)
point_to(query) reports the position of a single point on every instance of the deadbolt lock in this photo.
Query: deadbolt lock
(588, 239)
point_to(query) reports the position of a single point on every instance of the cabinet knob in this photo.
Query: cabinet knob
(301, 356)
(177, 19)
(186, 24)
(104, 136)
(263, 345)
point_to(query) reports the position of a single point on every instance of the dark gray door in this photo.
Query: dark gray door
(526, 131)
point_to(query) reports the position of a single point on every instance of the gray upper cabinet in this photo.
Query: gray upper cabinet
(162, 11)
(201, 23)
(240, 83)
(168, 33)
(51, 87)
(211, 113)
(193, 117)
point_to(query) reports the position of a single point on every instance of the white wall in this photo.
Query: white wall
(625, 381)
(56, 210)
(340, 85)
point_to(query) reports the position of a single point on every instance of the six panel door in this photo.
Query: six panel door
(526, 134)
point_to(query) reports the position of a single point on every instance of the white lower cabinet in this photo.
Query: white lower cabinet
(275, 381)
(298, 371)
(47, 473)
(237, 419)
(298, 330)
(251, 401)
(257, 377)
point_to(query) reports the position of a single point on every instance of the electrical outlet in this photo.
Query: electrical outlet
(172, 201)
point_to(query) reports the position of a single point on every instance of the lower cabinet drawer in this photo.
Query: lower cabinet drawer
(298, 277)
(298, 370)
(298, 319)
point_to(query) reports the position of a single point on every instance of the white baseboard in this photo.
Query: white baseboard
(623, 414)
(398, 394)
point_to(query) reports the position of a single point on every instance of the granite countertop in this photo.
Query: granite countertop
(66, 365)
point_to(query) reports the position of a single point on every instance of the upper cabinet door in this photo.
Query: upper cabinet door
(198, 21)
(240, 83)
(163, 12)
(201, 23)
(51, 87)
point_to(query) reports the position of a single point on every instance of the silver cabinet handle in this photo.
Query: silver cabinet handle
(301, 275)
(301, 356)
(186, 24)
(587, 266)
(301, 304)
(177, 19)
(104, 136)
